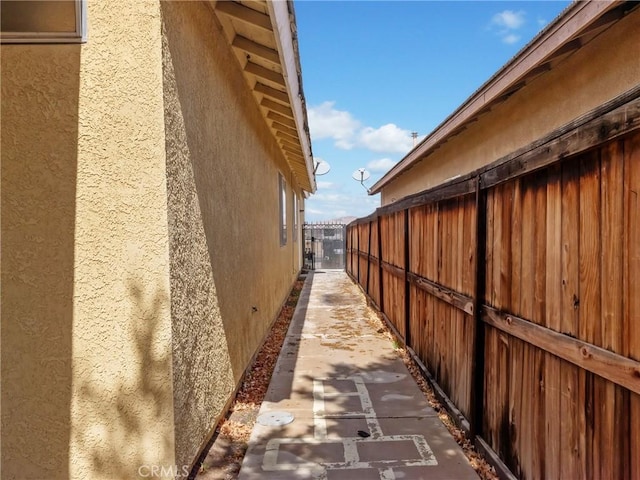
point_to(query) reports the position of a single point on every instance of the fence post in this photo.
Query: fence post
(407, 286)
(477, 369)
(380, 282)
(358, 254)
(369, 257)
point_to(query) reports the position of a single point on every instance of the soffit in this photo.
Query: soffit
(255, 34)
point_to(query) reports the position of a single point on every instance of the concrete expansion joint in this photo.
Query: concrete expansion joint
(358, 412)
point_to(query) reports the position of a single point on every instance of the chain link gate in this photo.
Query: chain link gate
(324, 245)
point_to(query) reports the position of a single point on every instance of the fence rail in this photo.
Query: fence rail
(517, 289)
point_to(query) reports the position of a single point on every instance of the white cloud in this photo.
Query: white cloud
(506, 23)
(509, 19)
(511, 38)
(327, 122)
(387, 138)
(338, 203)
(325, 185)
(381, 165)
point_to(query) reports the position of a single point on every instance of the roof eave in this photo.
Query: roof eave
(283, 21)
(567, 27)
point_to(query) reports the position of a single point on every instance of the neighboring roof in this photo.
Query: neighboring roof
(574, 27)
(262, 34)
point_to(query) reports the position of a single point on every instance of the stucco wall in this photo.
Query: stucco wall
(86, 330)
(223, 219)
(598, 72)
(141, 259)
(40, 88)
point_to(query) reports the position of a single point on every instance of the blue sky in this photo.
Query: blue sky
(375, 71)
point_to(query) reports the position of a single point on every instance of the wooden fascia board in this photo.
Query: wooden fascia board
(576, 18)
(281, 20)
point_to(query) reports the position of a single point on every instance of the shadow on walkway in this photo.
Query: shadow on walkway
(341, 403)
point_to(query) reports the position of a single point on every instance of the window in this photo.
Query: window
(282, 183)
(43, 21)
(296, 222)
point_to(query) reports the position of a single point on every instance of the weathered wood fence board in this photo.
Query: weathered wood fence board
(550, 320)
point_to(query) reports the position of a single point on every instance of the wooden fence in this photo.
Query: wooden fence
(517, 289)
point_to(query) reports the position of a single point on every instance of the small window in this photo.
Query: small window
(43, 21)
(283, 209)
(296, 222)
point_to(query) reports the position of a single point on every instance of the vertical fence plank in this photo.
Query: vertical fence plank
(516, 247)
(368, 257)
(538, 414)
(572, 420)
(526, 310)
(589, 297)
(407, 285)
(380, 271)
(502, 206)
(552, 376)
(468, 288)
(468, 280)
(612, 248)
(479, 264)
(611, 329)
(536, 367)
(632, 274)
(488, 254)
(540, 248)
(516, 371)
(516, 433)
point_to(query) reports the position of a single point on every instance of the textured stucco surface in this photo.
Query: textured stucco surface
(122, 405)
(203, 376)
(39, 164)
(86, 331)
(222, 181)
(141, 260)
(598, 72)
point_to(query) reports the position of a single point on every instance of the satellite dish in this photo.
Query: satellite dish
(361, 175)
(321, 168)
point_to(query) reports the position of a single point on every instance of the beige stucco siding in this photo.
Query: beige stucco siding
(122, 406)
(226, 259)
(39, 107)
(86, 330)
(203, 375)
(598, 72)
(142, 265)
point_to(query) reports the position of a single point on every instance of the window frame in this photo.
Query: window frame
(78, 35)
(282, 207)
(296, 217)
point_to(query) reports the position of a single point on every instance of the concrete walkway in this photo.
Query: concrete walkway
(341, 403)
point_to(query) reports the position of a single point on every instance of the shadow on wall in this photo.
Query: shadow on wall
(203, 376)
(131, 419)
(40, 87)
(230, 153)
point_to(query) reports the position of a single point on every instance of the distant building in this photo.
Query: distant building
(585, 58)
